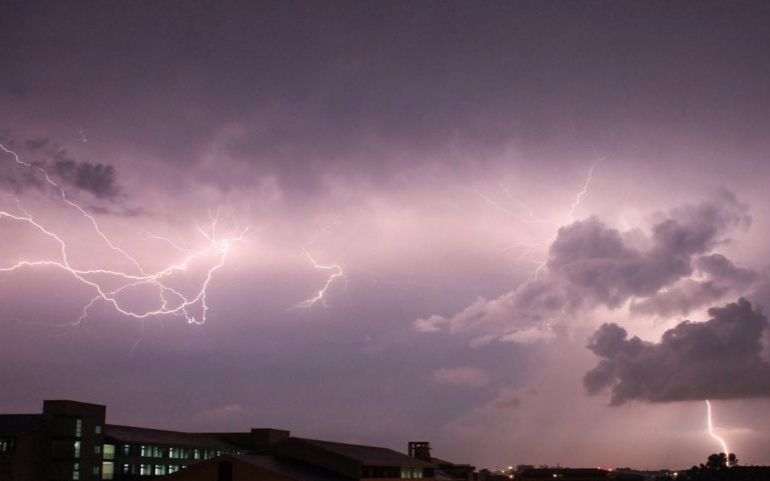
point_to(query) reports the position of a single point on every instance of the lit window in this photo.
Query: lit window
(145, 469)
(76, 449)
(173, 468)
(160, 469)
(109, 451)
(76, 475)
(197, 454)
(108, 470)
(411, 473)
(125, 469)
(126, 450)
(98, 429)
(144, 450)
(78, 427)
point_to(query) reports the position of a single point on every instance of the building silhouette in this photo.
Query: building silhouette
(70, 441)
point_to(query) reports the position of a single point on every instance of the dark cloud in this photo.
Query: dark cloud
(590, 265)
(717, 359)
(98, 179)
(35, 144)
(722, 277)
(121, 211)
(95, 178)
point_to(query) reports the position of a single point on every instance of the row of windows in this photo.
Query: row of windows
(108, 470)
(76, 471)
(152, 451)
(145, 469)
(411, 473)
(7, 444)
(79, 428)
(394, 472)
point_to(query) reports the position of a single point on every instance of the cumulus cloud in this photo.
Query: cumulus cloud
(591, 264)
(717, 359)
(463, 376)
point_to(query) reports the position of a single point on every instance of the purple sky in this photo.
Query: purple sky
(527, 200)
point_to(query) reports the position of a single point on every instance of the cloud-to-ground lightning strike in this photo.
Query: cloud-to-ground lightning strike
(714, 435)
(170, 300)
(336, 273)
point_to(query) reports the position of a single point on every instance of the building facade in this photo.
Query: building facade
(70, 441)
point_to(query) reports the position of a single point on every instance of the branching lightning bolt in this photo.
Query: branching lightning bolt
(710, 424)
(320, 297)
(170, 300)
(528, 249)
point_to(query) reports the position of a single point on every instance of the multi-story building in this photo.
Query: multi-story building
(70, 441)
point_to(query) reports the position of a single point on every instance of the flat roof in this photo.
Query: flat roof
(15, 424)
(367, 455)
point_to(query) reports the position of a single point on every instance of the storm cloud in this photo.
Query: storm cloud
(716, 359)
(95, 178)
(720, 278)
(591, 264)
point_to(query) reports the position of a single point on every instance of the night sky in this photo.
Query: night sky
(535, 232)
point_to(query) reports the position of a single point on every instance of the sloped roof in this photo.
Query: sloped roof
(130, 434)
(289, 468)
(15, 424)
(367, 455)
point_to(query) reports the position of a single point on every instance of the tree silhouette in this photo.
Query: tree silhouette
(717, 461)
(716, 469)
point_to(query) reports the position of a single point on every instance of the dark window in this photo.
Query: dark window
(225, 471)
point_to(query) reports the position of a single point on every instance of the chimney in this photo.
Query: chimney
(420, 450)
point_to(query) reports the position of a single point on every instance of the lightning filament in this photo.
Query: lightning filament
(711, 430)
(170, 301)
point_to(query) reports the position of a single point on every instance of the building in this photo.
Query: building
(253, 467)
(300, 459)
(70, 441)
(444, 470)
(580, 474)
(565, 474)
